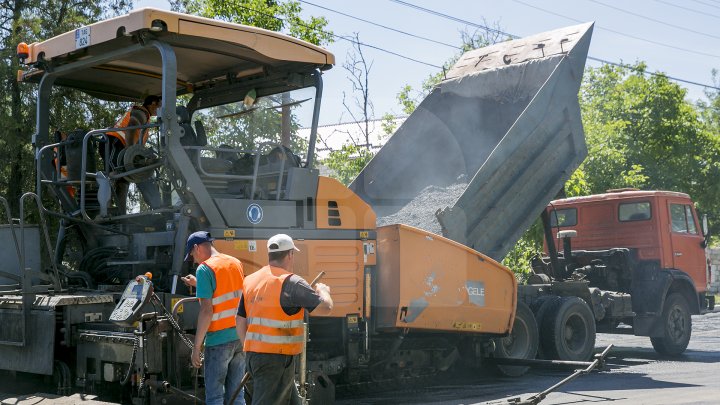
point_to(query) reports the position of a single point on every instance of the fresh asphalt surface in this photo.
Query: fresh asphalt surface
(634, 374)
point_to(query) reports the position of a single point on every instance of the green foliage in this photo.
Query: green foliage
(641, 132)
(530, 245)
(347, 162)
(577, 184)
(269, 14)
(388, 124)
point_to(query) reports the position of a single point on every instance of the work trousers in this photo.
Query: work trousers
(224, 369)
(272, 379)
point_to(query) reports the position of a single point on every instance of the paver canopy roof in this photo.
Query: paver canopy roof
(207, 51)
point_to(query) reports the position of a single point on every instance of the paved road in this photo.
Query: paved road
(635, 375)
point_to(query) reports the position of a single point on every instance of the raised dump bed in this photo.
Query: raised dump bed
(428, 282)
(507, 119)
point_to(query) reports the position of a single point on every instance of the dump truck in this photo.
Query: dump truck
(635, 276)
(100, 308)
(635, 258)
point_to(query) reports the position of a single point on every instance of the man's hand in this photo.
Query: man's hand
(327, 303)
(320, 288)
(189, 280)
(195, 357)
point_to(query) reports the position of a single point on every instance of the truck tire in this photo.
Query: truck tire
(540, 308)
(569, 330)
(677, 326)
(711, 302)
(522, 343)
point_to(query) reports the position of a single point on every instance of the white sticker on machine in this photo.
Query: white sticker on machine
(476, 292)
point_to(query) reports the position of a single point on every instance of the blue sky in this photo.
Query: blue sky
(679, 38)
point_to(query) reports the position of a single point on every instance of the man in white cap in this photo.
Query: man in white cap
(273, 304)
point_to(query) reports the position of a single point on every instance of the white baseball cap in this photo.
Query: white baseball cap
(280, 243)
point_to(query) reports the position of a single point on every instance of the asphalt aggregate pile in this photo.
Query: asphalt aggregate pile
(420, 212)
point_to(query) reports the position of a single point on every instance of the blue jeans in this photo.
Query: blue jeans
(224, 369)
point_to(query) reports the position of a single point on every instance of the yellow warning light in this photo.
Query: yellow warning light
(23, 51)
(148, 275)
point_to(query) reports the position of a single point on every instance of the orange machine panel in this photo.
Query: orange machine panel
(343, 262)
(340, 208)
(429, 282)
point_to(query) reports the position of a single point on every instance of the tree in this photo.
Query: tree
(358, 70)
(347, 162)
(269, 14)
(641, 132)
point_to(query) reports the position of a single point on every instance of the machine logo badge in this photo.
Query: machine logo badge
(254, 213)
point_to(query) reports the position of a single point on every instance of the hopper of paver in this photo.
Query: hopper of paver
(507, 120)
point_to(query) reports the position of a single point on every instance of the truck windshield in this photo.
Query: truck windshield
(682, 219)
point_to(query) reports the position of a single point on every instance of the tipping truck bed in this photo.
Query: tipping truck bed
(507, 117)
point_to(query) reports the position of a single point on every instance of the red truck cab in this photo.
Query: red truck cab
(661, 226)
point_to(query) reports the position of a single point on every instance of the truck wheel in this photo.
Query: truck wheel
(569, 327)
(540, 308)
(522, 343)
(711, 302)
(677, 326)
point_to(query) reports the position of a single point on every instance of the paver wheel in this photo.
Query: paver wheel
(568, 330)
(522, 343)
(677, 326)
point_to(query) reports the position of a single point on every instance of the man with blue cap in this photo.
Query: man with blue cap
(219, 283)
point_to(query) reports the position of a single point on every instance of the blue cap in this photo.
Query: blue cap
(195, 239)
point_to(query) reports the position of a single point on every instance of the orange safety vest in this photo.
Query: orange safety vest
(228, 289)
(269, 328)
(125, 122)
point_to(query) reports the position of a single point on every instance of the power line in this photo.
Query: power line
(607, 62)
(345, 38)
(677, 48)
(654, 20)
(437, 13)
(692, 10)
(380, 25)
(456, 19)
(706, 4)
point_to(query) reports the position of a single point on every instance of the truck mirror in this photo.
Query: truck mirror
(705, 225)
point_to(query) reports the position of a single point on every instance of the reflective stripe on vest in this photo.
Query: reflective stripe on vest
(228, 273)
(224, 314)
(275, 324)
(269, 328)
(125, 122)
(225, 297)
(273, 339)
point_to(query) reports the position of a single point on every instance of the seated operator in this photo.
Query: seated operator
(135, 116)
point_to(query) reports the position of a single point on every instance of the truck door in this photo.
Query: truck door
(687, 251)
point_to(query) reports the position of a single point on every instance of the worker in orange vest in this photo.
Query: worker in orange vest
(219, 282)
(119, 140)
(271, 318)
